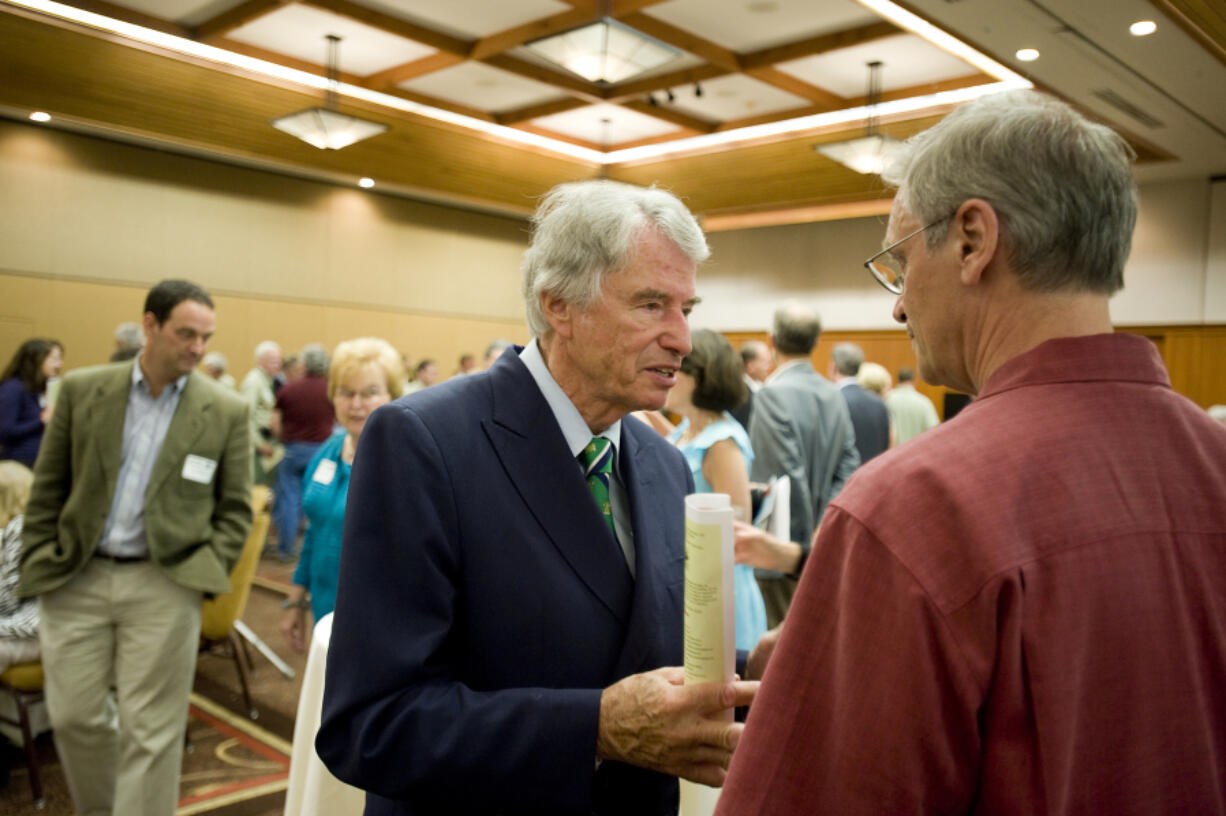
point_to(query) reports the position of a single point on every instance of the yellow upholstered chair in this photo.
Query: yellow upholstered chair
(220, 613)
(24, 683)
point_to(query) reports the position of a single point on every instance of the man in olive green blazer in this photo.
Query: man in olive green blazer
(140, 507)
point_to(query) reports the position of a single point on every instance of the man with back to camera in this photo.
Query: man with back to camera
(1022, 610)
(507, 635)
(799, 428)
(141, 504)
(869, 418)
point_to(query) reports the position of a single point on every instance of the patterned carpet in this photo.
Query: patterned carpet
(234, 766)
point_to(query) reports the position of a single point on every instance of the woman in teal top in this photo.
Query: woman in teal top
(364, 374)
(717, 450)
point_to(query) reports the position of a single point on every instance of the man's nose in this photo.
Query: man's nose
(676, 336)
(900, 312)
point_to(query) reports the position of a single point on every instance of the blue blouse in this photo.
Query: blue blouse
(325, 489)
(749, 608)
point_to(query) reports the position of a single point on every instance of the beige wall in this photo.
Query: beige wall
(86, 226)
(1167, 276)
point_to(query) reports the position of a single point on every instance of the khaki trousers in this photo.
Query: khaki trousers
(130, 628)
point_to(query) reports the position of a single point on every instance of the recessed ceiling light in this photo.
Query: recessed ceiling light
(366, 183)
(1143, 28)
(40, 116)
(1027, 54)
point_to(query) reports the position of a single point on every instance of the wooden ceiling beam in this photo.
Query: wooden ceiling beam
(672, 115)
(514, 117)
(798, 87)
(282, 59)
(687, 76)
(393, 76)
(686, 41)
(534, 30)
(819, 45)
(572, 85)
(442, 104)
(394, 25)
(236, 17)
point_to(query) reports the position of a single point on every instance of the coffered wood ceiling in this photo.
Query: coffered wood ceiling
(742, 64)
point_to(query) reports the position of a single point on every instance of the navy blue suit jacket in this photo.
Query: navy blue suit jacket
(483, 606)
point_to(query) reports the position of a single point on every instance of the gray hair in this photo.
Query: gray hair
(315, 359)
(215, 359)
(129, 336)
(848, 357)
(586, 229)
(796, 328)
(1061, 187)
(266, 347)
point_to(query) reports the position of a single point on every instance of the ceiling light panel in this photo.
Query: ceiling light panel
(482, 86)
(685, 60)
(470, 19)
(906, 60)
(750, 25)
(299, 31)
(588, 124)
(735, 96)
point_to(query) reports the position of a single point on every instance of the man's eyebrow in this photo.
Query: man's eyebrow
(657, 294)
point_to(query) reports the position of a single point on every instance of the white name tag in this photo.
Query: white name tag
(325, 472)
(198, 469)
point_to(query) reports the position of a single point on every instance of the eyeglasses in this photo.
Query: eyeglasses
(885, 266)
(372, 393)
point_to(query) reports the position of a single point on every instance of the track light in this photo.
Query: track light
(697, 89)
(671, 98)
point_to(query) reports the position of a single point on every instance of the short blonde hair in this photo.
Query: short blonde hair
(15, 481)
(354, 354)
(874, 377)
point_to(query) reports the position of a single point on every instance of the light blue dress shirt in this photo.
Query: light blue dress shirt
(145, 423)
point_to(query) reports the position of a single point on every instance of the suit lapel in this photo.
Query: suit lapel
(529, 444)
(108, 406)
(654, 562)
(185, 427)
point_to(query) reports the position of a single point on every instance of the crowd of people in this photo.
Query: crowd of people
(1022, 610)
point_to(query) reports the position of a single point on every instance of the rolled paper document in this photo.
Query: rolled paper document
(710, 619)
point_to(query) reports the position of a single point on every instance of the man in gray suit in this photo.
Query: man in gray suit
(800, 428)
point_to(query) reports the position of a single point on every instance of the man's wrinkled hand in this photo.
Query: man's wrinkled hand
(654, 721)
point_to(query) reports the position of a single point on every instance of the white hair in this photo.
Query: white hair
(1061, 187)
(584, 230)
(267, 347)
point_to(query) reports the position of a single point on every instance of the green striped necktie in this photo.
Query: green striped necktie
(597, 462)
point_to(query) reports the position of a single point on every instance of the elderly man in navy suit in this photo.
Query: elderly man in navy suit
(508, 625)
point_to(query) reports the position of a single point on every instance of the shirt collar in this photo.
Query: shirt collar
(138, 378)
(574, 429)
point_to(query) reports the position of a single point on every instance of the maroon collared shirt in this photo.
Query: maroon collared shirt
(1022, 611)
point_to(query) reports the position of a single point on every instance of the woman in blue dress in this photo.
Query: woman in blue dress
(365, 373)
(717, 450)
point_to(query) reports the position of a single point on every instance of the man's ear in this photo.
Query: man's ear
(559, 314)
(149, 323)
(977, 230)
